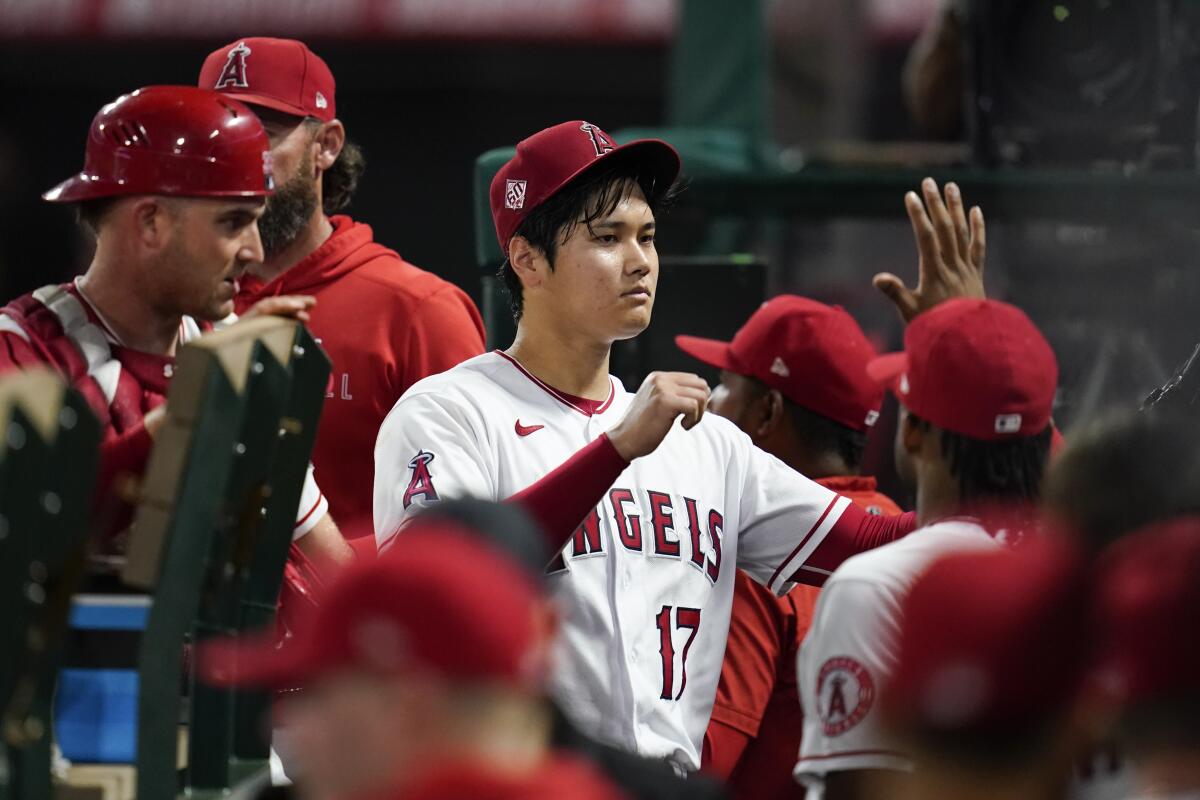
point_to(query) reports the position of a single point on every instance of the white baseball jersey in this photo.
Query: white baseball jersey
(851, 649)
(646, 583)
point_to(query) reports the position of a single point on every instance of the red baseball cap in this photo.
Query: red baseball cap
(552, 158)
(282, 74)
(442, 602)
(992, 641)
(979, 368)
(1148, 600)
(814, 354)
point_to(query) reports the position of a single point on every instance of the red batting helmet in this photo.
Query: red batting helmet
(172, 140)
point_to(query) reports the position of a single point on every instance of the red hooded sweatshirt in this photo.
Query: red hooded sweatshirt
(385, 325)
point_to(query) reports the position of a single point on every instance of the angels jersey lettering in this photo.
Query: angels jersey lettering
(850, 652)
(646, 581)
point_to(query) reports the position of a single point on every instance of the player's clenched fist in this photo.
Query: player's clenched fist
(662, 397)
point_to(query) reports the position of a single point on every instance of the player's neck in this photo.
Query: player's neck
(566, 361)
(936, 500)
(315, 233)
(136, 323)
(817, 465)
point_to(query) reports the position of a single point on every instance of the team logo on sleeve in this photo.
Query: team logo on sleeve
(233, 74)
(845, 693)
(421, 483)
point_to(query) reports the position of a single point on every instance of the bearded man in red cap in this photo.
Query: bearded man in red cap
(383, 322)
(976, 384)
(174, 181)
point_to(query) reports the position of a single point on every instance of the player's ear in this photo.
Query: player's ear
(330, 141)
(152, 218)
(526, 261)
(771, 409)
(912, 433)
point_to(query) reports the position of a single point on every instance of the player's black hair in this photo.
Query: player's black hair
(822, 434)
(90, 213)
(340, 181)
(819, 433)
(992, 472)
(506, 526)
(584, 201)
(1126, 470)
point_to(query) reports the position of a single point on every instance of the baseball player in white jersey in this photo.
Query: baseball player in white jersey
(976, 383)
(669, 508)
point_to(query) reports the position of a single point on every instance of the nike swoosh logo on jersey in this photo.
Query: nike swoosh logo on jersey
(525, 430)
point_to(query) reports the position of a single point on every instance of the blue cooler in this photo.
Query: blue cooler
(95, 707)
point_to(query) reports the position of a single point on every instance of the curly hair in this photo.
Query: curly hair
(340, 181)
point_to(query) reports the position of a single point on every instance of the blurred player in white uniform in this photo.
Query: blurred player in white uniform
(656, 511)
(976, 383)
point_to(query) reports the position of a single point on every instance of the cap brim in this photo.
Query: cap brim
(658, 157)
(256, 660)
(77, 187)
(272, 103)
(713, 352)
(887, 369)
(82, 186)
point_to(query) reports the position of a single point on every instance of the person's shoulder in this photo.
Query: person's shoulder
(467, 383)
(900, 561)
(42, 313)
(401, 280)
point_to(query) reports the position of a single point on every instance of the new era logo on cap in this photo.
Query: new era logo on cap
(321, 101)
(514, 195)
(779, 368)
(1008, 423)
(872, 418)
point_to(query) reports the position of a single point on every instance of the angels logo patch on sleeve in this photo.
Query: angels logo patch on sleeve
(421, 483)
(845, 692)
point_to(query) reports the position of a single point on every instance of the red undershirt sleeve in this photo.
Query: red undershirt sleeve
(560, 500)
(855, 532)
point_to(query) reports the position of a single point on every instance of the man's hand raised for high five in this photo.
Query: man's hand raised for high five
(951, 245)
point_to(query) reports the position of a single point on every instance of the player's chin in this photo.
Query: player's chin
(634, 323)
(218, 309)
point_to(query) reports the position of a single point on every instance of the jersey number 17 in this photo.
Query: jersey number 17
(688, 618)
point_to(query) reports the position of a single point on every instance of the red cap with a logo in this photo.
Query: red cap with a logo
(552, 158)
(1148, 601)
(992, 641)
(814, 354)
(979, 368)
(282, 74)
(441, 602)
